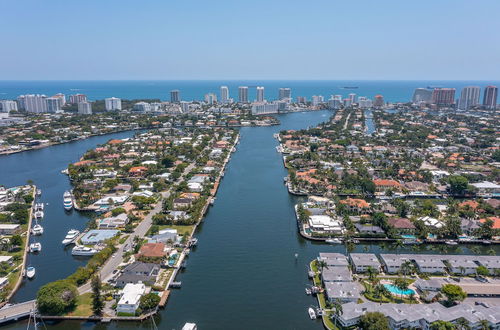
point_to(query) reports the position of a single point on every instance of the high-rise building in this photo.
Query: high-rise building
(469, 97)
(62, 98)
(175, 96)
(224, 94)
(210, 98)
(347, 102)
(8, 106)
(352, 98)
(364, 102)
(285, 94)
(85, 108)
(113, 103)
(33, 103)
(422, 95)
(490, 97)
(260, 94)
(243, 94)
(142, 107)
(184, 106)
(335, 102)
(443, 97)
(260, 108)
(378, 101)
(54, 104)
(301, 99)
(316, 100)
(77, 98)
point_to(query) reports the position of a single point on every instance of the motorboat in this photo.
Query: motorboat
(71, 236)
(39, 192)
(30, 272)
(37, 230)
(451, 242)
(333, 241)
(308, 291)
(189, 326)
(81, 250)
(39, 214)
(312, 313)
(39, 207)
(67, 201)
(35, 247)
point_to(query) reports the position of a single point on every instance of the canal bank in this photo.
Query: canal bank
(244, 273)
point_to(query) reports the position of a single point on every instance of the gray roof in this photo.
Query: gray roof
(343, 290)
(140, 267)
(336, 274)
(334, 259)
(365, 259)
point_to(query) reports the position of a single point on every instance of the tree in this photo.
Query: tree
(453, 293)
(321, 265)
(402, 284)
(16, 240)
(458, 184)
(442, 325)
(97, 301)
(149, 301)
(486, 229)
(483, 271)
(484, 324)
(168, 161)
(337, 307)
(57, 297)
(463, 324)
(374, 321)
(407, 268)
(372, 274)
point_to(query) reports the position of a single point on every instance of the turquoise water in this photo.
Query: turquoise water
(408, 236)
(394, 289)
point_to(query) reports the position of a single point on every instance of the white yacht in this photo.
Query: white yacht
(67, 201)
(39, 214)
(30, 272)
(71, 236)
(37, 230)
(333, 241)
(81, 250)
(35, 247)
(39, 192)
(312, 313)
(39, 207)
(189, 326)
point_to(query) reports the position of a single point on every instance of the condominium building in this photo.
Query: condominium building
(443, 97)
(210, 98)
(33, 103)
(260, 94)
(54, 104)
(113, 103)
(8, 106)
(490, 97)
(224, 94)
(142, 107)
(175, 96)
(77, 98)
(285, 94)
(243, 94)
(85, 108)
(335, 102)
(469, 97)
(422, 95)
(378, 102)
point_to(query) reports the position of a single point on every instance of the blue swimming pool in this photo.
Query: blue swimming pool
(394, 289)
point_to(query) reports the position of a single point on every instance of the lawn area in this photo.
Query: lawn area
(83, 305)
(180, 229)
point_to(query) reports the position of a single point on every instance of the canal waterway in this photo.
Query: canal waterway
(243, 274)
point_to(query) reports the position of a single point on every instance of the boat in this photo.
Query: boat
(193, 241)
(71, 236)
(39, 207)
(312, 313)
(39, 192)
(81, 250)
(350, 87)
(67, 201)
(333, 241)
(189, 326)
(30, 272)
(65, 171)
(39, 214)
(308, 291)
(212, 201)
(37, 230)
(35, 247)
(451, 242)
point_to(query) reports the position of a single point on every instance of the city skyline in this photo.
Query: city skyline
(396, 41)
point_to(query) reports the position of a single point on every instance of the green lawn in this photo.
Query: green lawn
(83, 305)
(180, 229)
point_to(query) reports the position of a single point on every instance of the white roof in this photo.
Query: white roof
(8, 226)
(132, 293)
(486, 184)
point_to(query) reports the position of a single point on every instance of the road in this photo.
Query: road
(113, 262)
(13, 312)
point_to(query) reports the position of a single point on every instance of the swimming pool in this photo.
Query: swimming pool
(394, 289)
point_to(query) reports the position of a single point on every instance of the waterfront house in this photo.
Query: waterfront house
(432, 222)
(195, 186)
(356, 206)
(130, 298)
(114, 222)
(343, 291)
(165, 236)
(402, 225)
(95, 236)
(325, 224)
(138, 272)
(9, 228)
(334, 259)
(152, 250)
(487, 189)
(382, 185)
(182, 203)
(468, 226)
(367, 229)
(362, 261)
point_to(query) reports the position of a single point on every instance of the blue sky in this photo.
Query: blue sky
(259, 39)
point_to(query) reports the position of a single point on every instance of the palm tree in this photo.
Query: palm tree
(372, 274)
(407, 268)
(401, 284)
(337, 306)
(413, 298)
(463, 324)
(380, 291)
(485, 325)
(321, 265)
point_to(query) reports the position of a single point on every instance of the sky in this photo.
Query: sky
(258, 39)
